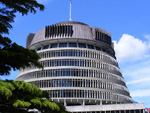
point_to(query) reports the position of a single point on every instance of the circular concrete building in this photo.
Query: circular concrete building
(80, 67)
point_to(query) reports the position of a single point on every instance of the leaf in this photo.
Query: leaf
(7, 85)
(22, 104)
(25, 95)
(5, 92)
(36, 102)
(53, 106)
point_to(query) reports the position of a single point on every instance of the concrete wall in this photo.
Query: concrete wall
(113, 107)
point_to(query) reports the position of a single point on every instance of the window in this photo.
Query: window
(39, 49)
(72, 45)
(90, 47)
(63, 45)
(63, 30)
(103, 50)
(46, 47)
(82, 45)
(98, 48)
(54, 46)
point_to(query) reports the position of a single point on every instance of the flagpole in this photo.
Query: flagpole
(70, 11)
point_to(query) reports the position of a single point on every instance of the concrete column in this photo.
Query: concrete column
(129, 111)
(100, 102)
(83, 102)
(65, 104)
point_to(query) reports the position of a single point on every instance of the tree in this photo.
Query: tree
(19, 96)
(13, 56)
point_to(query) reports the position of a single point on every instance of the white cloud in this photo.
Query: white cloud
(138, 81)
(140, 93)
(133, 55)
(147, 36)
(129, 48)
(137, 74)
(137, 70)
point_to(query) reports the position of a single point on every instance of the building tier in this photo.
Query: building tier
(80, 67)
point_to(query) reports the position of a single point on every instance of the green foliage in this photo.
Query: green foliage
(13, 56)
(10, 7)
(5, 92)
(16, 96)
(63, 109)
(23, 104)
(37, 102)
(32, 89)
(6, 89)
(19, 95)
(53, 106)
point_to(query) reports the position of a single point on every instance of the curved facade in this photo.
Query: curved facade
(79, 65)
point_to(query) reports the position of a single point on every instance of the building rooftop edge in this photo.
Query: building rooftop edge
(70, 22)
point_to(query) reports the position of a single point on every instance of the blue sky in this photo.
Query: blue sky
(128, 21)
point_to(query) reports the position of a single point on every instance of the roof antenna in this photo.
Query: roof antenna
(70, 11)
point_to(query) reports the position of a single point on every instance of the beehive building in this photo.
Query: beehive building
(80, 68)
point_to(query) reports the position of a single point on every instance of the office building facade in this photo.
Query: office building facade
(80, 67)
